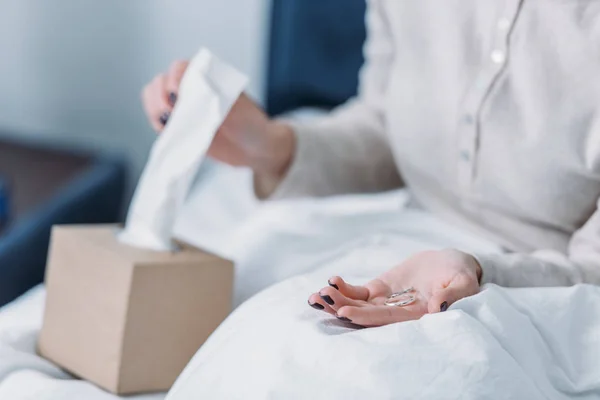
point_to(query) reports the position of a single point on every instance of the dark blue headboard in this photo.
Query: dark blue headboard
(315, 53)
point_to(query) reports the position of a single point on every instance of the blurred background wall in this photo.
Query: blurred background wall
(71, 71)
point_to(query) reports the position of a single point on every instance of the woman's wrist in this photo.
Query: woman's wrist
(276, 150)
(284, 144)
(271, 167)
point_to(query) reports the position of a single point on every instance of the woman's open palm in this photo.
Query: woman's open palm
(439, 278)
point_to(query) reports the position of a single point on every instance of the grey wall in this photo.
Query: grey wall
(71, 71)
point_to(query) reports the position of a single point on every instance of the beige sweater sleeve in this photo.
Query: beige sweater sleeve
(347, 151)
(581, 263)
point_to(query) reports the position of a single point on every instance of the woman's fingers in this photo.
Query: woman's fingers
(335, 299)
(174, 77)
(316, 302)
(156, 103)
(348, 290)
(369, 316)
(332, 300)
(164, 107)
(160, 95)
(460, 287)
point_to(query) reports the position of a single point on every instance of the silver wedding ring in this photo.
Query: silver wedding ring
(401, 299)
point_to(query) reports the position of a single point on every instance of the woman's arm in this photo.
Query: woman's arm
(581, 264)
(346, 151)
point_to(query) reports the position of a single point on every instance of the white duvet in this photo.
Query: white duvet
(502, 343)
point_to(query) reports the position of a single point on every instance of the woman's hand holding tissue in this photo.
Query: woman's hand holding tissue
(247, 138)
(438, 279)
(160, 95)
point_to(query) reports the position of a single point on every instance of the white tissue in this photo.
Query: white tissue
(208, 90)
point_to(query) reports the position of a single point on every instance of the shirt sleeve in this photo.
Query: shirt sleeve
(581, 263)
(347, 151)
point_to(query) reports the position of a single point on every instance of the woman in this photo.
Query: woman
(488, 111)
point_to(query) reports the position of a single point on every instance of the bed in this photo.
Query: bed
(500, 344)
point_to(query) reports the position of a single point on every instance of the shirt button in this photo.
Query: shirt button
(503, 24)
(465, 155)
(498, 56)
(469, 119)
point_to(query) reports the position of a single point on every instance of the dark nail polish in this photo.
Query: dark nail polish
(444, 306)
(172, 98)
(165, 118)
(316, 306)
(328, 299)
(343, 319)
(333, 285)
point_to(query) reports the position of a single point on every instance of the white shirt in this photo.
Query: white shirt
(489, 111)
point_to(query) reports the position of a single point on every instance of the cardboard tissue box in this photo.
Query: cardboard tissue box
(128, 309)
(129, 319)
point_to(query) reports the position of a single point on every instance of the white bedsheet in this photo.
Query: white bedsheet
(521, 344)
(518, 344)
(500, 344)
(26, 376)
